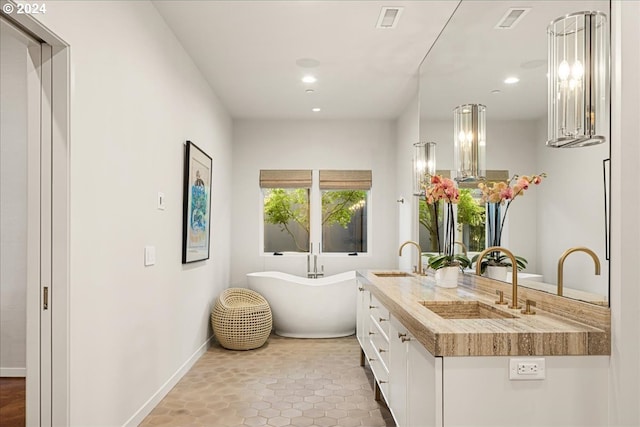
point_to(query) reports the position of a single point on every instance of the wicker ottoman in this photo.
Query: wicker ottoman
(241, 319)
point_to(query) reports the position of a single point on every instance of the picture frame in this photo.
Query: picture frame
(196, 218)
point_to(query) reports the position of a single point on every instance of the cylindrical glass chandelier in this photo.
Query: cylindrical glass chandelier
(424, 165)
(469, 133)
(578, 80)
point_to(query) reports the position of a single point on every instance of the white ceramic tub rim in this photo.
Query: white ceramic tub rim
(327, 280)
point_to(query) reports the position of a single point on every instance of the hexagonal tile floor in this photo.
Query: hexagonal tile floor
(287, 382)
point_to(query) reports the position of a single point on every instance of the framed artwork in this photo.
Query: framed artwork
(196, 219)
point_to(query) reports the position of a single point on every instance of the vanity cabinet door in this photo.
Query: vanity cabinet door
(424, 387)
(398, 372)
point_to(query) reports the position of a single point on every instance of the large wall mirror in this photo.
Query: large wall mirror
(468, 65)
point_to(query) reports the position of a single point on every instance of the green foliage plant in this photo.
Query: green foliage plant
(285, 207)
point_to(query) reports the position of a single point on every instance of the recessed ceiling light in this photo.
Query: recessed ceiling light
(316, 110)
(309, 79)
(496, 91)
(309, 91)
(511, 80)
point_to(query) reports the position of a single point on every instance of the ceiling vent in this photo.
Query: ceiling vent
(389, 17)
(512, 18)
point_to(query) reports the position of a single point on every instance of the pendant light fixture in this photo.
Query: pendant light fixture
(578, 80)
(424, 165)
(469, 133)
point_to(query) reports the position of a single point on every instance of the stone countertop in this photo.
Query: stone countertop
(560, 326)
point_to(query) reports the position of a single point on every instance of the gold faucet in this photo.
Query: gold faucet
(463, 246)
(514, 271)
(564, 256)
(411, 242)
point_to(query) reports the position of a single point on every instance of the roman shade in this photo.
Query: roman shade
(345, 179)
(285, 178)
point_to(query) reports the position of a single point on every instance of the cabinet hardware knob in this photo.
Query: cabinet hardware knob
(372, 359)
(360, 288)
(371, 333)
(383, 382)
(381, 350)
(405, 339)
(373, 306)
(400, 335)
(382, 319)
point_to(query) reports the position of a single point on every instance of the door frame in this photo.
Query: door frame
(56, 105)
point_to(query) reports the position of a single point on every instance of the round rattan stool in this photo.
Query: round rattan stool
(241, 319)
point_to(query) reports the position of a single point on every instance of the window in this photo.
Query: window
(286, 213)
(471, 220)
(286, 219)
(330, 211)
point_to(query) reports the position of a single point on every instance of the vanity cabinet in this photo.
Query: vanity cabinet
(413, 380)
(426, 390)
(373, 335)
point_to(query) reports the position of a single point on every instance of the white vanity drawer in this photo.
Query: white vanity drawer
(378, 367)
(379, 314)
(380, 343)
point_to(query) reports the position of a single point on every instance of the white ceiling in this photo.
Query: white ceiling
(471, 58)
(248, 50)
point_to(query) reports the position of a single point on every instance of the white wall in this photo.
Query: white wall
(312, 144)
(624, 378)
(408, 133)
(510, 146)
(136, 97)
(13, 205)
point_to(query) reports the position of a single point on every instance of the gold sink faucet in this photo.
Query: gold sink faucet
(411, 242)
(514, 271)
(463, 246)
(564, 256)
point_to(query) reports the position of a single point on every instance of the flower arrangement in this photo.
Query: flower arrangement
(500, 194)
(440, 188)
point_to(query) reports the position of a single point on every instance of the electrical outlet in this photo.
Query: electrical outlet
(526, 369)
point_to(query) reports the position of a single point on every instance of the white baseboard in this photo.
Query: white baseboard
(13, 372)
(148, 406)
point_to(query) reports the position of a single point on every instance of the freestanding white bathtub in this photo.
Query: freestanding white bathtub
(309, 308)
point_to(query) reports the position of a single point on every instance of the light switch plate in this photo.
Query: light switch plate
(527, 369)
(149, 255)
(161, 201)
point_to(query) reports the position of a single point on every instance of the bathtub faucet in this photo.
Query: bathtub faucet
(314, 274)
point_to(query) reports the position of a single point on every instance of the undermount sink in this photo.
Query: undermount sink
(393, 274)
(465, 310)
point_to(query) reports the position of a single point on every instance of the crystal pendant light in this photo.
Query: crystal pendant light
(424, 165)
(578, 80)
(469, 133)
